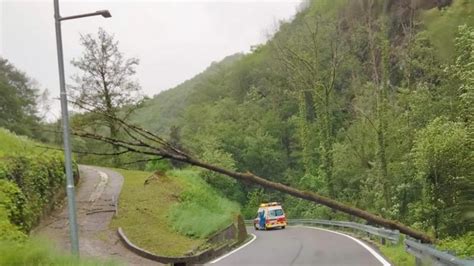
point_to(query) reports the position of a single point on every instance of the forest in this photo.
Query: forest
(367, 102)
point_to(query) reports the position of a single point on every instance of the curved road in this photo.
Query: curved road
(96, 192)
(298, 245)
(99, 187)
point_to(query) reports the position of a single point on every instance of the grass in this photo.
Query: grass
(397, 254)
(143, 214)
(13, 144)
(201, 210)
(166, 216)
(36, 252)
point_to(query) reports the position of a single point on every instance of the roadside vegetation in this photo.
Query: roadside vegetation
(37, 252)
(201, 210)
(397, 254)
(366, 102)
(31, 183)
(369, 103)
(172, 213)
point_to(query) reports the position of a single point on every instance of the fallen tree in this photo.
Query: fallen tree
(144, 142)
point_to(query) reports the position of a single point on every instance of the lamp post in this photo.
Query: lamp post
(65, 119)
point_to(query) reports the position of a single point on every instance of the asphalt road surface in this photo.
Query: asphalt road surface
(302, 246)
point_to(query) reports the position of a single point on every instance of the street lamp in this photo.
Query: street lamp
(65, 118)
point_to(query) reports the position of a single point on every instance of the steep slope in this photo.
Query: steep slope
(166, 109)
(341, 100)
(171, 214)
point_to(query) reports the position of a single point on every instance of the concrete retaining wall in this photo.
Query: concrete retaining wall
(222, 241)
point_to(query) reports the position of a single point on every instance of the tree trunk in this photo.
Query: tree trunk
(115, 148)
(314, 197)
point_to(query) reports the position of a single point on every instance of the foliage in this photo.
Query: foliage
(201, 211)
(37, 252)
(8, 231)
(442, 25)
(255, 198)
(18, 104)
(144, 221)
(161, 166)
(355, 100)
(462, 246)
(188, 211)
(226, 185)
(442, 156)
(31, 181)
(397, 254)
(105, 86)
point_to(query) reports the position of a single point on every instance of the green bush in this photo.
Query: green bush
(8, 231)
(37, 180)
(31, 180)
(158, 165)
(13, 205)
(462, 246)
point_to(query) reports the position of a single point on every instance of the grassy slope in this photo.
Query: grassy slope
(147, 213)
(35, 252)
(201, 210)
(12, 144)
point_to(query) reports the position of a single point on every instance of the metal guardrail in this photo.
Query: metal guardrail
(423, 252)
(392, 235)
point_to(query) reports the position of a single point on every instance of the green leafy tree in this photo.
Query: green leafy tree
(444, 163)
(18, 101)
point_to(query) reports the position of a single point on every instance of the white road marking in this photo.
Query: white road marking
(235, 250)
(100, 187)
(373, 252)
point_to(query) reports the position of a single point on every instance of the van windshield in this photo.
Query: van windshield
(275, 212)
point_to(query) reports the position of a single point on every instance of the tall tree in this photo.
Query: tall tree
(18, 101)
(313, 68)
(105, 83)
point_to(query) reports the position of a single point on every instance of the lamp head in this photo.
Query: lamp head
(104, 13)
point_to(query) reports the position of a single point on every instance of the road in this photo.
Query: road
(95, 195)
(292, 246)
(302, 246)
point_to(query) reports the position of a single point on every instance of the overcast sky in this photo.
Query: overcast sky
(174, 40)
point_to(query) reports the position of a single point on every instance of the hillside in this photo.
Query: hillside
(346, 100)
(166, 108)
(171, 214)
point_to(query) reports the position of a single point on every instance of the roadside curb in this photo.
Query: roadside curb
(202, 257)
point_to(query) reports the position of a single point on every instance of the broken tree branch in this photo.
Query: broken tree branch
(147, 148)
